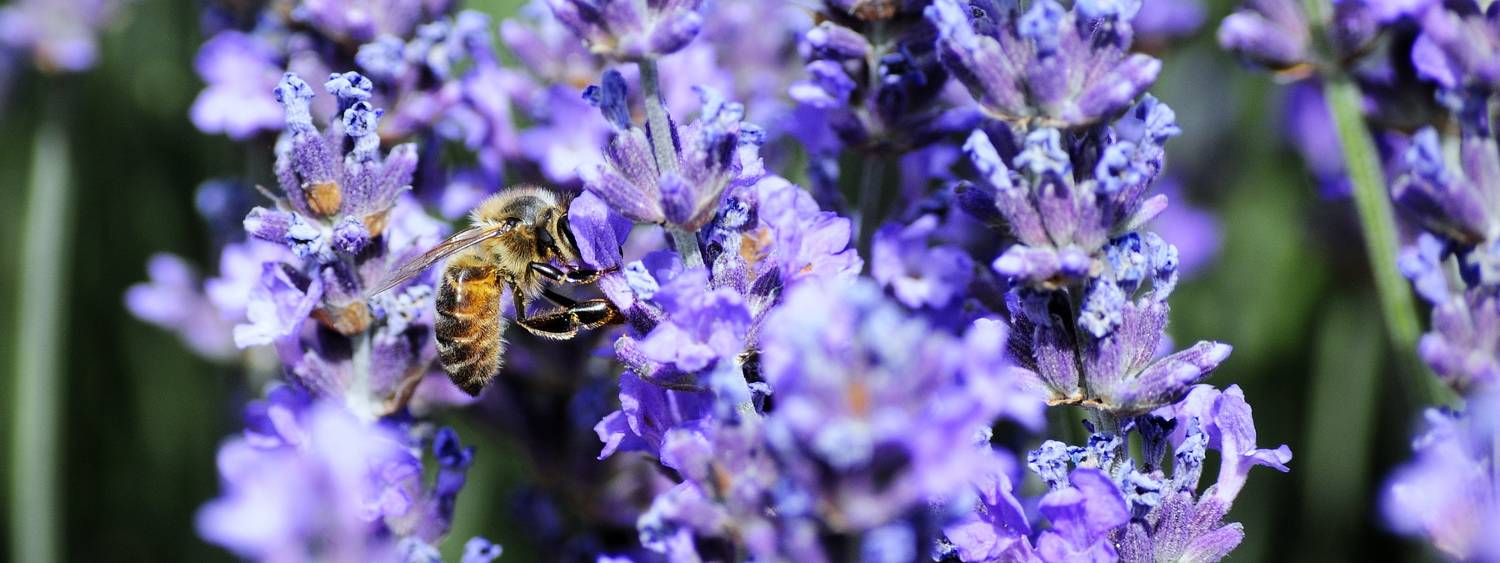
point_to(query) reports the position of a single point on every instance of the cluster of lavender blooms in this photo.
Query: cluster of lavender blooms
(337, 435)
(1110, 506)
(807, 414)
(1066, 170)
(366, 481)
(1429, 72)
(778, 391)
(1448, 188)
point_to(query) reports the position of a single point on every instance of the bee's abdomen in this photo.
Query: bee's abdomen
(469, 326)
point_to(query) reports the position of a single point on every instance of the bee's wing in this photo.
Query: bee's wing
(454, 244)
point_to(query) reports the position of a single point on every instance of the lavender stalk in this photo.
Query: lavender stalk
(35, 507)
(666, 155)
(1367, 177)
(1379, 225)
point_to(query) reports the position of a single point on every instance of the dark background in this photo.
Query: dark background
(141, 416)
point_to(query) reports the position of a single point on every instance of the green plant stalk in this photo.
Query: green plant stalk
(361, 393)
(666, 162)
(666, 155)
(868, 209)
(36, 508)
(1376, 218)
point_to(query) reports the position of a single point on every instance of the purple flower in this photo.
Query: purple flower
(1075, 242)
(891, 109)
(850, 404)
(316, 182)
(1270, 33)
(783, 406)
(1049, 66)
(1457, 208)
(1163, 20)
(1062, 223)
(1457, 50)
(630, 30)
(1081, 517)
(728, 480)
(325, 193)
(309, 476)
(241, 70)
(647, 412)
(1446, 493)
(547, 49)
(917, 275)
(805, 241)
(173, 299)
(1189, 530)
(240, 268)
(277, 306)
(715, 150)
(1465, 341)
(345, 222)
(701, 325)
(480, 550)
(600, 231)
(997, 525)
(1082, 511)
(563, 145)
(357, 22)
(1111, 506)
(1459, 205)
(1225, 420)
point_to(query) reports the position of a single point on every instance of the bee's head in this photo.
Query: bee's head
(534, 223)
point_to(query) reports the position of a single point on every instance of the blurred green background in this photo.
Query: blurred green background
(141, 416)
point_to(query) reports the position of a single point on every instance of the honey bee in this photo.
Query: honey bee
(518, 239)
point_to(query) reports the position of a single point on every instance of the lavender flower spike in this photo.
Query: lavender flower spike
(631, 30)
(1076, 241)
(847, 400)
(716, 150)
(1063, 223)
(1048, 66)
(308, 476)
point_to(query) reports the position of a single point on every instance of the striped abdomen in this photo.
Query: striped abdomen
(469, 324)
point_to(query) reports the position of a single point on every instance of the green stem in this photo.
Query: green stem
(666, 155)
(1378, 221)
(361, 393)
(656, 118)
(868, 207)
(1372, 202)
(36, 507)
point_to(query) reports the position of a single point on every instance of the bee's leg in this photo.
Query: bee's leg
(577, 276)
(585, 276)
(590, 313)
(565, 323)
(558, 298)
(520, 300)
(549, 271)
